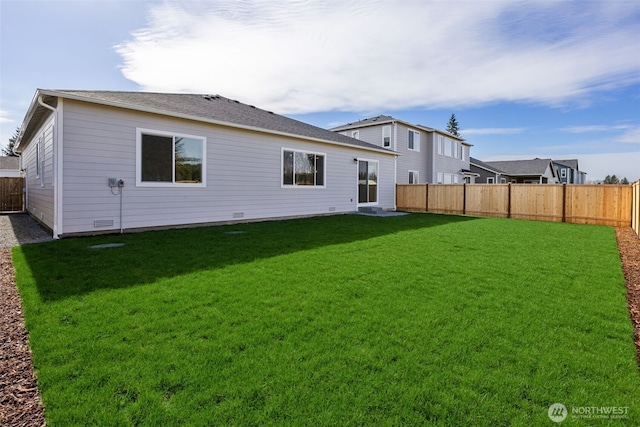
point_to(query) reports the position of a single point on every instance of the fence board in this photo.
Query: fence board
(11, 194)
(446, 198)
(582, 204)
(487, 200)
(635, 207)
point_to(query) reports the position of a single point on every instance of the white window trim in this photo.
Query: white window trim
(416, 177)
(377, 162)
(297, 150)
(141, 183)
(416, 140)
(386, 129)
(440, 178)
(491, 180)
(440, 145)
(355, 134)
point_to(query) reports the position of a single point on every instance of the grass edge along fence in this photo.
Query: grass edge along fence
(613, 205)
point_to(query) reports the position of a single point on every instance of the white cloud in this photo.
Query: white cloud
(492, 131)
(4, 118)
(298, 57)
(627, 134)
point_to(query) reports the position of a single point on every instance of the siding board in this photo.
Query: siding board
(243, 174)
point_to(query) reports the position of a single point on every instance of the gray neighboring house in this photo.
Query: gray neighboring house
(426, 155)
(10, 167)
(535, 171)
(569, 172)
(102, 161)
(487, 174)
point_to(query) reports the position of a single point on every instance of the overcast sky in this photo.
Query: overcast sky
(551, 79)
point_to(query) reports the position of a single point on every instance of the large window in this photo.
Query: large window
(414, 140)
(169, 159)
(301, 168)
(414, 177)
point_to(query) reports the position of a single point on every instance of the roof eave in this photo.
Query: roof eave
(75, 97)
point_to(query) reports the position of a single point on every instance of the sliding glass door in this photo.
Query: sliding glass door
(367, 182)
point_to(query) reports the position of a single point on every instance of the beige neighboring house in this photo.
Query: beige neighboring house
(10, 167)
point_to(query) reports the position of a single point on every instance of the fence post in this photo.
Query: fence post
(509, 200)
(564, 202)
(426, 197)
(464, 198)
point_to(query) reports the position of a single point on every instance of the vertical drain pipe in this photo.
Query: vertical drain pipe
(57, 191)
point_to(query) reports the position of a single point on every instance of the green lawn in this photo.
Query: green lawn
(345, 320)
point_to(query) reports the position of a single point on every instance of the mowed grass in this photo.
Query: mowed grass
(347, 320)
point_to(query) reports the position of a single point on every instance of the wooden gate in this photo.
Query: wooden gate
(11, 194)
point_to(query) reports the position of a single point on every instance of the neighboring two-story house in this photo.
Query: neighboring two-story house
(426, 155)
(569, 173)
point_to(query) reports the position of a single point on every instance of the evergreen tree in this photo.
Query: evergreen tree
(452, 126)
(8, 150)
(624, 181)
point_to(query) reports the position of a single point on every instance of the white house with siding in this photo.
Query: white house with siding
(425, 154)
(102, 161)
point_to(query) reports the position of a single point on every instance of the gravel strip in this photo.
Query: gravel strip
(18, 229)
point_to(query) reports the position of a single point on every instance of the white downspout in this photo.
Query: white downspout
(57, 169)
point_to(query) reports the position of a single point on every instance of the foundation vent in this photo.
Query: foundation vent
(238, 215)
(99, 223)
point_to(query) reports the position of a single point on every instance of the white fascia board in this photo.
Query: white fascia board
(27, 118)
(205, 120)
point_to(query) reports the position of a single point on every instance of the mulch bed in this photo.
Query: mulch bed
(629, 247)
(20, 402)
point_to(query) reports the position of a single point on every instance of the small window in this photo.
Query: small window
(386, 136)
(440, 144)
(414, 177)
(456, 150)
(503, 180)
(463, 153)
(355, 134)
(491, 180)
(563, 173)
(302, 169)
(440, 178)
(414, 140)
(168, 159)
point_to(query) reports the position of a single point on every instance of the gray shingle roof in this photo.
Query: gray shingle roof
(381, 119)
(484, 165)
(570, 163)
(212, 108)
(522, 167)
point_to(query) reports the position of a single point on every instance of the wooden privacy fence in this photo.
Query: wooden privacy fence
(11, 194)
(635, 207)
(579, 204)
